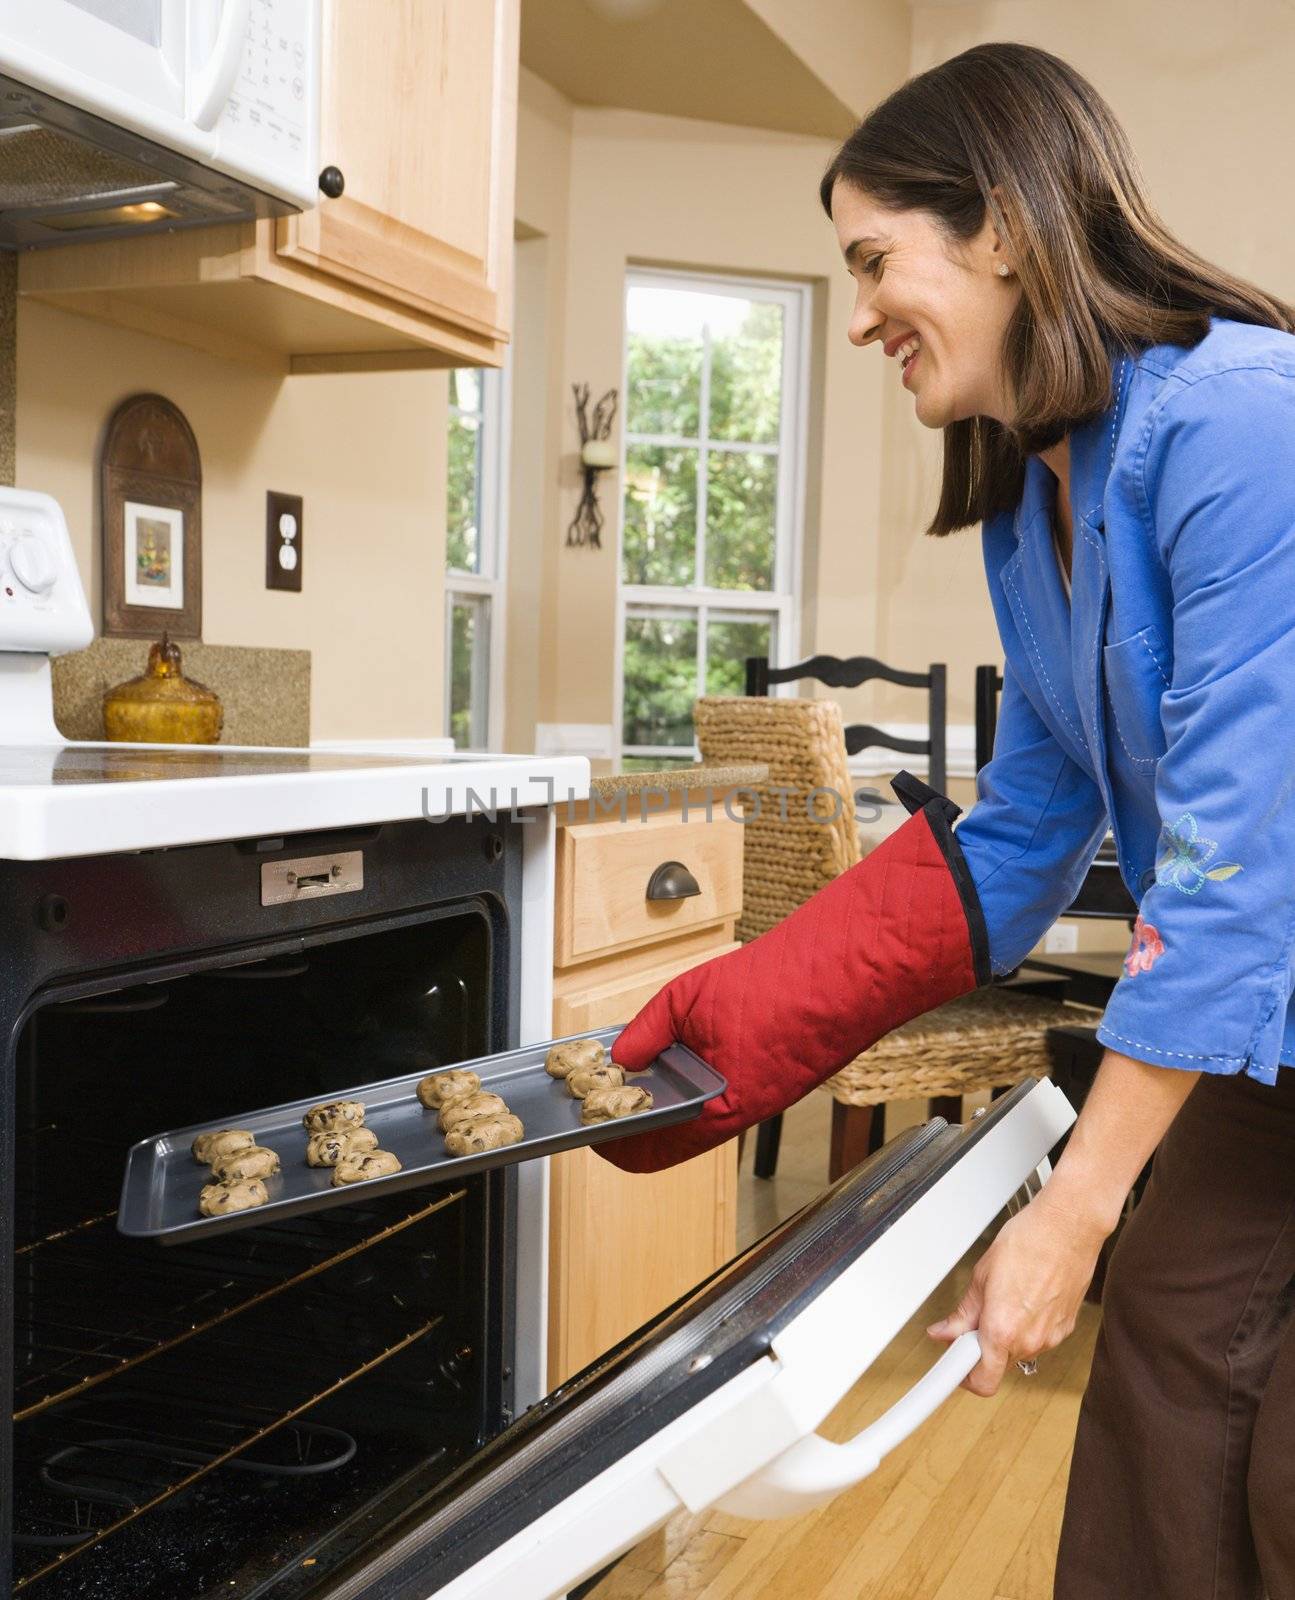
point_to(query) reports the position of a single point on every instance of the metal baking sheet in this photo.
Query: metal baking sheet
(159, 1193)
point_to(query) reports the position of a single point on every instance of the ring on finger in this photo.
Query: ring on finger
(1028, 1368)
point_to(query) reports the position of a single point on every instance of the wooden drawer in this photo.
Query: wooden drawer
(612, 991)
(603, 869)
(683, 1221)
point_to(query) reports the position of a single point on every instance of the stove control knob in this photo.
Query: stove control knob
(33, 564)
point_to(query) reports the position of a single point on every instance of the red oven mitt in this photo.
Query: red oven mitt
(897, 934)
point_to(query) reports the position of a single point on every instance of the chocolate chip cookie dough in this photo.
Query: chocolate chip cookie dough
(602, 1105)
(244, 1165)
(220, 1199)
(440, 1088)
(585, 1079)
(327, 1149)
(464, 1107)
(564, 1059)
(479, 1134)
(221, 1142)
(334, 1116)
(358, 1168)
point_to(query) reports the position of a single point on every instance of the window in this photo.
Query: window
(474, 559)
(709, 565)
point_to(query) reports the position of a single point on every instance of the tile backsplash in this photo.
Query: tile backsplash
(265, 693)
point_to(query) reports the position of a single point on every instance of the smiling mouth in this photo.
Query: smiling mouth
(907, 354)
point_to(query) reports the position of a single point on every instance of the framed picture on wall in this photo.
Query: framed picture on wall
(151, 522)
(154, 555)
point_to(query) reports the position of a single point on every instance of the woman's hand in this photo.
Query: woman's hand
(1027, 1288)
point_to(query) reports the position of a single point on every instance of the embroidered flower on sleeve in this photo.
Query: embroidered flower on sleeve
(1182, 853)
(1146, 949)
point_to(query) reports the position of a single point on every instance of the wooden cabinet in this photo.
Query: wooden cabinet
(667, 1230)
(410, 266)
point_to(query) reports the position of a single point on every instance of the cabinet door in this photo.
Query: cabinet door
(419, 114)
(623, 1246)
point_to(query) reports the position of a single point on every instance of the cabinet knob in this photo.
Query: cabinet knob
(672, 881)
(332, 182)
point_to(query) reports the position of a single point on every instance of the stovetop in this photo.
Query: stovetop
(59, 800)
(32, 766)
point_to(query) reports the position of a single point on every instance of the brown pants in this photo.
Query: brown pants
(1182, 1485)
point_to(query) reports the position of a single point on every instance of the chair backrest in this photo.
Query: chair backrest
(802, 833)
(989, 683)
(1102, 893)
(849, 673)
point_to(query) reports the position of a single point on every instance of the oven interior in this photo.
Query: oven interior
(241, 1416)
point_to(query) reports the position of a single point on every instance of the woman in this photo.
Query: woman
(1120, 415)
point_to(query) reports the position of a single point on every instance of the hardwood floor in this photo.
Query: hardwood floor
(968, 1509)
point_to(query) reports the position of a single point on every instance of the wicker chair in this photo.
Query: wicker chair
(986, 1040)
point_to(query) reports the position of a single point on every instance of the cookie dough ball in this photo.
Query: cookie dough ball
(207, 1147)
(563, 1059)
(602, 1105)
(336, 1116)
(442, 1087)
(467, 1106)
(327, 1149)
(585, 1079)
(479, 1134)
(220, 1199)
(254, 1162)
(359, 1168)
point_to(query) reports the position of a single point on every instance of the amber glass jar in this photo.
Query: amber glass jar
(163, 706)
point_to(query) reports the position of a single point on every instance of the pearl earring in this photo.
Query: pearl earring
(1002, 269)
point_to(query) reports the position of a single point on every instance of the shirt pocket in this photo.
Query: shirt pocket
(1137, 675)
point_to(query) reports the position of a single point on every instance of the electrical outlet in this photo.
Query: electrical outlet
(283, 540)
(1062, 939)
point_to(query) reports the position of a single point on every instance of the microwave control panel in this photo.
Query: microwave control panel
(269, 117)
(42, 602)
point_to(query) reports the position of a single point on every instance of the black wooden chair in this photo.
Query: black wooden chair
(837, 673)
(1102, 893)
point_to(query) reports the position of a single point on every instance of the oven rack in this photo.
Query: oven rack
(62, 1352)
(279, 1360)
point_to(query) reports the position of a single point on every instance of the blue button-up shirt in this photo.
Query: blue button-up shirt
(1159, 701)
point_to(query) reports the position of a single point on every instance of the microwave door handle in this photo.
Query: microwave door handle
(211, 85)
(814, 1470)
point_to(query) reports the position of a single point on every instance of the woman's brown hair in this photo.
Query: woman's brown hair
(1014, 130)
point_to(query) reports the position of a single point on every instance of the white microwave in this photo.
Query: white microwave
(122, 116)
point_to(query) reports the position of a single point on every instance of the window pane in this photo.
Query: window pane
(465, 388)
(660, 515)
(463, 496)
(469, 671)
(740, 508)
(728, 644)
(746, 375)
(660, 679)
(663, 372)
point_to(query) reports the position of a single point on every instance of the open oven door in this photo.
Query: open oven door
(716, 1403)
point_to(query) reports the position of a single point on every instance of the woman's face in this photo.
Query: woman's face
(936, 306)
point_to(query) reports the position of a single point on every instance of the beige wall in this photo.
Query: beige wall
(367, 451)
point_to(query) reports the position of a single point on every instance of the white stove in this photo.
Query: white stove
(60, 799)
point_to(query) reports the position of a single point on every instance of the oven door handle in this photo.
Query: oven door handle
(815, 1470)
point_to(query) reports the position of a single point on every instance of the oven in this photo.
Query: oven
(240, 1416)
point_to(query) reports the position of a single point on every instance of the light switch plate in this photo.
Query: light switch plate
(1062, 939)
(283, 541)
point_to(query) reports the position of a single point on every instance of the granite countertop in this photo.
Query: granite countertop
(608, 780)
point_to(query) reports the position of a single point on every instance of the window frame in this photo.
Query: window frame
(490, 582)
(782, 602)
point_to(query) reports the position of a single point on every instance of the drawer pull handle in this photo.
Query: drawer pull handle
(672, 881)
